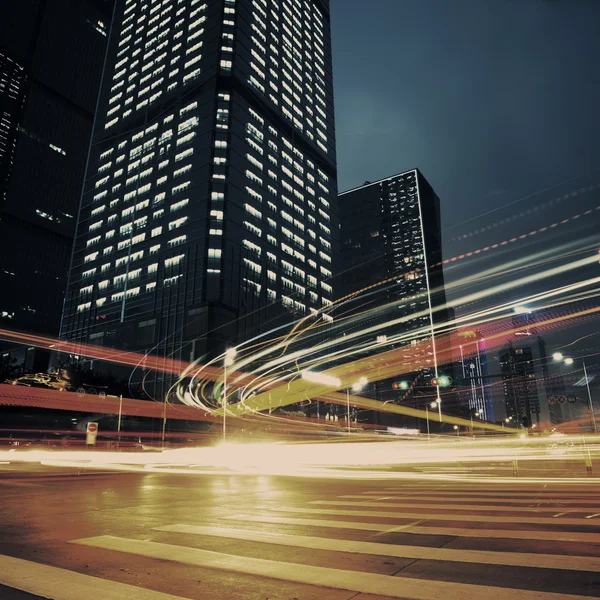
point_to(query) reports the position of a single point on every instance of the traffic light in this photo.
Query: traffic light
(400, 385)
(441, 381)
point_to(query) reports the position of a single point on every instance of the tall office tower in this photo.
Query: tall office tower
(392, 246)
(51, 57)
(520, 384)
(208, 213)
(472, 374)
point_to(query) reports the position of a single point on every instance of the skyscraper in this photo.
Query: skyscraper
(208, 212)
(51, 57)
(392, 247)
(520, 384)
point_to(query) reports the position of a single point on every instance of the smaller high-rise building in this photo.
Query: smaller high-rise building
(391, 265)
(520, 384)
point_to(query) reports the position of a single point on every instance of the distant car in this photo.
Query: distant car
(48, 381)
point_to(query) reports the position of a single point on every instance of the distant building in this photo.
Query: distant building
(51, 56)
(520, 384)
(472, 374)
(208, 213)
(391, 253)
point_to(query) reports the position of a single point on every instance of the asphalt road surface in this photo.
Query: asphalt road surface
(72, 535)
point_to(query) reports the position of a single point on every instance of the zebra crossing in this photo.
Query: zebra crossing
(466, 545)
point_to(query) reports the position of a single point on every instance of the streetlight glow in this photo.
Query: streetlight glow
(568, 361)
(230, 355)
(321, 378)
(356, 387)
(522, 310)
(557, 356)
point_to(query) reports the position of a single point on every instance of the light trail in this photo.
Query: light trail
(266, 370)
(379, 367)
(370, 460)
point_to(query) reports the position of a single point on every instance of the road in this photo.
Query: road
(71, 535)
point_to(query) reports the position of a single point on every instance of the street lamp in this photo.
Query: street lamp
(569, 361)
(356, 387)
(433, 405)
(321, 379)
(472, 424)
(440, 381)
(227, 362)
(456, 428)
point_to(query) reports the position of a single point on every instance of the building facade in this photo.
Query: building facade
(391, 268)
(472, 375)
(51, 57)
(208, 214)
(520, 385)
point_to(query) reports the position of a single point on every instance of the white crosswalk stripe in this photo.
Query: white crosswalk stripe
(594, 504)
(62, 584)
(545, 494)
(553, 536)
(515, 559)
(363, 582)
(447, 506)
(436, 517)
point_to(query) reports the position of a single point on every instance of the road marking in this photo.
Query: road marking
(16, 483)
(470, 507)
(561, 514)
(519, 484)
(412, 529)
(433, 517)
(62, 584)
(439, 497)
(592, 516)
(368, 583)
(511, 559)
(544, 494)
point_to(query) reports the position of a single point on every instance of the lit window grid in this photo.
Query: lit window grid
(159, 48)
(267, 67)
(270, 209)
(131, 209)
(146, 156)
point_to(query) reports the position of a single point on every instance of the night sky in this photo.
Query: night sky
(492, 99)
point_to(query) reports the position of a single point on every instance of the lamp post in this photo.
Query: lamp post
(227, 362)
(477, 413)
(557, 356)
(457, 429)
(324, 379)
(356, 387)
(433, 405)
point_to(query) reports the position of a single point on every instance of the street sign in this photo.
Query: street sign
(571, 398)
(91, 433)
